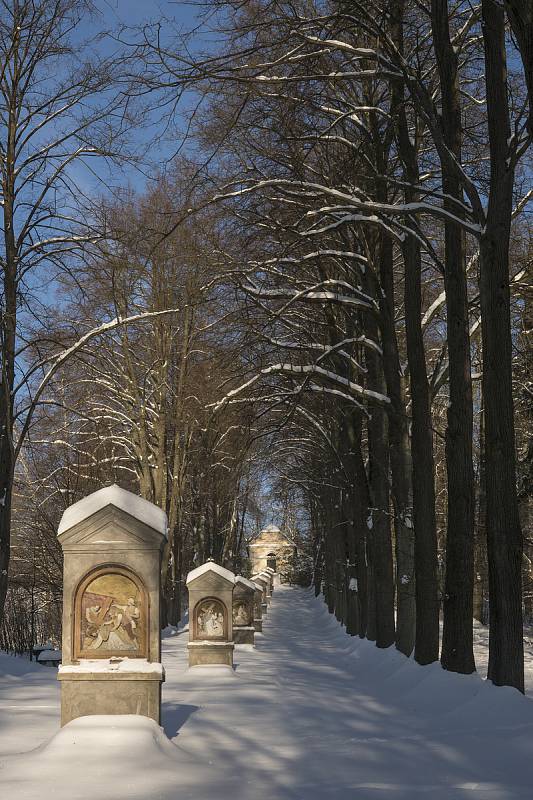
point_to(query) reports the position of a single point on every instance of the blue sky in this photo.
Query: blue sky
(135, 12)
(113, 15)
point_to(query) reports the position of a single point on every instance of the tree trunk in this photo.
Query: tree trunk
(424, 520)
(381, 599)
(400, 457)
(423, 468)
(8, 327)
(457, 641)
(504, 535)
(520, 14)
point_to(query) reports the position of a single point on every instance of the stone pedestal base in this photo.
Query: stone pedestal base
(264, 608)
(244, 635)
(258, 625)
(85, 691)
(204, 652)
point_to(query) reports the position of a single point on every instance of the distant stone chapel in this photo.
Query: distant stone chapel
(272, 548)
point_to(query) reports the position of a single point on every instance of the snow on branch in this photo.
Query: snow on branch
(61, 358)
(354, 389)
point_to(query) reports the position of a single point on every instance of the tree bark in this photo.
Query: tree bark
(520, 15)
(504, 535)
(8, 328)
(457, 641)
(400, 457)
(423, 468)
(381, 599)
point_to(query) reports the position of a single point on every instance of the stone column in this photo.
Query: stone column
(243, 611)
(210, 615)
(112, 544)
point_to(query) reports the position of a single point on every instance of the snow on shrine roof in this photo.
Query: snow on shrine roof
(113, 495)
(275, 539)
(245, 582)
(210, 566)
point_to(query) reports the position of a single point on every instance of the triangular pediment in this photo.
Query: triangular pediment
(210, 581)
(110, 529)
(272, 535)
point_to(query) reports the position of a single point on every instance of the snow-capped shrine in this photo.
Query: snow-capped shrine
(272, 548)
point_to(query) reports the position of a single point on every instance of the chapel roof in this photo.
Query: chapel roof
(274, 534)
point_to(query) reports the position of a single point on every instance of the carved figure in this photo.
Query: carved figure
(111, 615)
(240, 614)
(210, 620)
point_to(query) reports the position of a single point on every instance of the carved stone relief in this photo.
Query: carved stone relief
(111, 616)
(241, 613)
(210, 620)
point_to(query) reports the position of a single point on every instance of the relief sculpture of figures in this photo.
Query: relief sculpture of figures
(210, 620)
(241, 614)
(111, 615)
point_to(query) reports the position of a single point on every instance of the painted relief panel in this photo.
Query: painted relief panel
(111, 617)
(210, 620)
(242, 613)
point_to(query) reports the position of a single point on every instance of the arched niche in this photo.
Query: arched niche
(271, 561)
(242, 612)
(110, 614)
(210, 620)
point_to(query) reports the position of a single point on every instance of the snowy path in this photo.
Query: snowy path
(310, 714)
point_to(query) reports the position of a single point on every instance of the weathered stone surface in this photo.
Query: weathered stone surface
(209, 653)
(261, 581)
(90, 693)
(210, 615)
(264, 580)
(258, 613)
(111, 591)
(243, 610)
(244, 635)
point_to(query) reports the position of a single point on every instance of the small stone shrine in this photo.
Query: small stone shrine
(258, 612)
(210, 615)
(243, 611)
(272, 574)
(268, 578)
(261, 581)
(112, 544)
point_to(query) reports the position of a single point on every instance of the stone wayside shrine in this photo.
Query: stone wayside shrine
(270, 571)
(267, 576)
(258, 612)
(210, 615)
(112, 543)
(243, 611)
(262, 582)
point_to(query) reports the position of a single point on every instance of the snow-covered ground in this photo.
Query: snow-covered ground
(309, 714)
